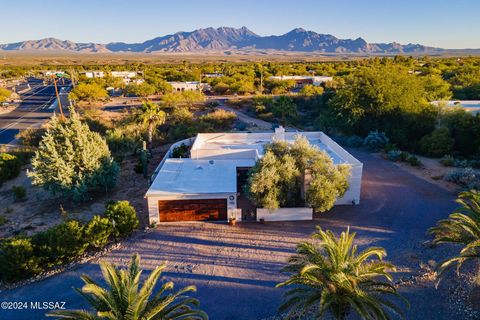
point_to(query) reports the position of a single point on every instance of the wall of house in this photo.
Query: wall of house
(152, 202)
(352, 195)
(223, 154)
(285, 214)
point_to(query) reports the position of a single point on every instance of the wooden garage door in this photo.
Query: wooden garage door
(192, 210)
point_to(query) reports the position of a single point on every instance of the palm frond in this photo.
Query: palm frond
(334, 276)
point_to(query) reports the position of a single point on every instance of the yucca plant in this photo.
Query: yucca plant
(331, 275)
(122, 299)
(462, 227)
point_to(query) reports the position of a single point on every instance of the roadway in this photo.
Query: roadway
(37, 106)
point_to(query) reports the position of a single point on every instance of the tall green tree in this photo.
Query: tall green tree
(73, 160)
(387, 98)
(88, 92)
(124, 299)
(151, 116)
(462, 227)
(285, 109)
(278, 179)
(332, 275)
(143, 89)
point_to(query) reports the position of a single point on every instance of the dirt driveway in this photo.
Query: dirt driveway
(236, 269)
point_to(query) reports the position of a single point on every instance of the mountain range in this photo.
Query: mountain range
(226, 40)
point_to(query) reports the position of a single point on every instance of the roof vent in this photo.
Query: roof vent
(211, 162)
(199, 167)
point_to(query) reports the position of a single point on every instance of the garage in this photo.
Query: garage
(192, 210)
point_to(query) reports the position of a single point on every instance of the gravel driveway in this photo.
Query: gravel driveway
(236, 268)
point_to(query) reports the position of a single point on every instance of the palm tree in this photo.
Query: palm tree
(123, 300)
(334, 277)
(461, 227)
(152, 116)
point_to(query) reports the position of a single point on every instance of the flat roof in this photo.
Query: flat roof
(190, 177)
(257, 141)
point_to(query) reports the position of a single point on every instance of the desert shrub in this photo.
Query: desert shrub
(404, 156)
(460, 163)
(414, 161)
(474, 163)
(260, 108)
(241, 126)
(268, 116)
(220, 119)
(19, 193)
(98, 125)
(464, 129)
(353, 141)
(138, 168)
(389, 147)
(23, 154)
(98, 231)
(17, 259)
(123, 217)
(375, 140)
(31, 137)
(465, 177)
(212, 105)
(394, 155)
(10, 166)
(181, 151)
(447, 161)
(123, 142)
(61, 243)
(437, 144)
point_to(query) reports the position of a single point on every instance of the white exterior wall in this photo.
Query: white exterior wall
(123, 74)
(223, 154)
(94, 74)
(285, 214)
(352, 195)
(152, 200)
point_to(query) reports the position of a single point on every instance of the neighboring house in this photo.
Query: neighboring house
(126, 76)
(213, 75)
(301, 81)
(94, 74)
(209, 184)
(188, 86)
(123, 74)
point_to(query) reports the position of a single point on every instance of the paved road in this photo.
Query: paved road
(235, 269)
(37, 106)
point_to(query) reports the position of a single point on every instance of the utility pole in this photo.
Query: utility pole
(58, 98)
(72, 77)
(261, 80)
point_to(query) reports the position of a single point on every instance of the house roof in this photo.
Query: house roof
(255, 142)
(191, 177)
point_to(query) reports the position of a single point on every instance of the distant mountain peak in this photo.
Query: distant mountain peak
(223, 39)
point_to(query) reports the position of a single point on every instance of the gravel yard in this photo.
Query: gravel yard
(236, 268)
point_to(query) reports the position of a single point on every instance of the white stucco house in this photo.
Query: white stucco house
(208, 184)
(94, 74)
(301, 81)
(189, 86)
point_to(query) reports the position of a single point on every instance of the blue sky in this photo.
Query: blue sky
(441, 23)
